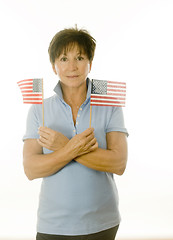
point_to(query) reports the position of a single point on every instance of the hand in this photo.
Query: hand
(82, 143)
(51, 139)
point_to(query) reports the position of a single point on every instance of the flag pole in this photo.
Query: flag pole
(42, 103)
(90, 114)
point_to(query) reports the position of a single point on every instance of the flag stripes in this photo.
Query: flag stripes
(108, 93)
(31, 90)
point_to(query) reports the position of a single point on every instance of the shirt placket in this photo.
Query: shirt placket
(78, 119)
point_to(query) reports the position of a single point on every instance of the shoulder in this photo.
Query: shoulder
(51, 99)
(36, 109)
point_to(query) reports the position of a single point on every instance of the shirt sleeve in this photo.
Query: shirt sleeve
(116, 122)
(32, 123)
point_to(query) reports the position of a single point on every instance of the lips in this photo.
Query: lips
(74, 76)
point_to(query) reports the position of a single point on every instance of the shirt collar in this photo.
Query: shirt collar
(58, 89)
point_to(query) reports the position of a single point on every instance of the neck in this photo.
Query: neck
(74, 96)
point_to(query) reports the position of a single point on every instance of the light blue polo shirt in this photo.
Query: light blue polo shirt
(76, 200)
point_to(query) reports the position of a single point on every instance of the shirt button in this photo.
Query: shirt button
(76, 123)
(78, 115)
(81, 109)
(74, 130)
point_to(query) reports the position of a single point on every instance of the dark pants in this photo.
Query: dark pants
(108, 234)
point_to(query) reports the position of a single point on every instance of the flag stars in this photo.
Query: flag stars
(32, 90)
(99, 87)
(108, 93)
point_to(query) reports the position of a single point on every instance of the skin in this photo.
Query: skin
(72, 69)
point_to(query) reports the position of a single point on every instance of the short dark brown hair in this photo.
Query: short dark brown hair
(67, 38)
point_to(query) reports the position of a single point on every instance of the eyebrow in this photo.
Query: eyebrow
(79, 53)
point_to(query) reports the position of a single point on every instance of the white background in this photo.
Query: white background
(134, 44)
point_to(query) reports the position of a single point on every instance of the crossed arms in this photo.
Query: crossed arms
(82, 148)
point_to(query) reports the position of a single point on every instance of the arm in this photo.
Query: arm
(113, 159)
(37, 165)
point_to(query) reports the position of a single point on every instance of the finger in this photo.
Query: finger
(90, 148)
(41, 143)
(46, 130)
(85, 141)
(90, 137)
(43, 136)
(91, 143)
(42, 140)
(87, 132)
(94, 147)
(43, 133)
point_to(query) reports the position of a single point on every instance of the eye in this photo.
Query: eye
(79, 58)
(63, 59)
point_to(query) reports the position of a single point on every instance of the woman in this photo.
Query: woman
(78, 198)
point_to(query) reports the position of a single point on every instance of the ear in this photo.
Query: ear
(90, 66)
(54, 69)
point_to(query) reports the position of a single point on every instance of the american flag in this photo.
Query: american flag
(32, 90)
(108, 93)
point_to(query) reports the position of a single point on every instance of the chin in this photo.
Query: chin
(74, 82)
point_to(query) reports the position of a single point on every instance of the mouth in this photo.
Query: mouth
(73, 76)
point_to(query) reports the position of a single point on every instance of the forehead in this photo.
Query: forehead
(73, 46)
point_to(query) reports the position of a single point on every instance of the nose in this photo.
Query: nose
(72, 65)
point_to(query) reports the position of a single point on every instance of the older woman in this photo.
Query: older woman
(78, 198)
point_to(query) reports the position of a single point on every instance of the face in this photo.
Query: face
(72, 67)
